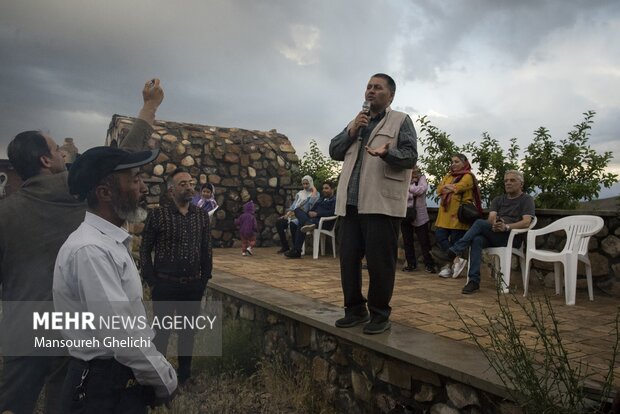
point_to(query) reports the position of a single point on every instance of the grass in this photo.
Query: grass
(274, 388)
(240, 381)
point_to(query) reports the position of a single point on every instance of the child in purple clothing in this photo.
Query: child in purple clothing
(206, 199)
(246, 223)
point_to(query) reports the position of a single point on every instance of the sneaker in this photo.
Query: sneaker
(293, 254)
(410, 268)
(308, 228)
(352, 319)
(430, 269)
(249, 251)
(446, 271)
(244, 254)
(282, 250)
(378, 324)
(470, 287)
(459, 265)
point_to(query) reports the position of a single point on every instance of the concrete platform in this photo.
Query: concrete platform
(311, 288)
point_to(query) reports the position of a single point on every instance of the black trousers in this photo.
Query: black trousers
(421, 232)
(173, 298)
(376, 237)
(107, 387)
(281, 225)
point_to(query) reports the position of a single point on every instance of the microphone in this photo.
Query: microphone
(366, 110)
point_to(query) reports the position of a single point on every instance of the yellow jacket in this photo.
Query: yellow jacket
(448, 219)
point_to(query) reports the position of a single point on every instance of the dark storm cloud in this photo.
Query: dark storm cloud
(300, 67)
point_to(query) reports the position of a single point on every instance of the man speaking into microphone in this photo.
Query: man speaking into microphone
(379, 148)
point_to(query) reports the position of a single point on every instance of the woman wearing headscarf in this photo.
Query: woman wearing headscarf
(206, 199)
(304, 199)
(418, 224)
(457, 187)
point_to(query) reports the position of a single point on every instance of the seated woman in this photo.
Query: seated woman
(457, 187)
(304, 199)
(206, 199)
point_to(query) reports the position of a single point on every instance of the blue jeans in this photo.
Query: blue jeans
(447, 237)
(479, 236)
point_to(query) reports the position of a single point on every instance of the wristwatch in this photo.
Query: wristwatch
(507, 227)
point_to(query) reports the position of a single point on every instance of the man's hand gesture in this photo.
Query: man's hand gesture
(379, 151)
(153, 95)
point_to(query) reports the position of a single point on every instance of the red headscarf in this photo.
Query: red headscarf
(458, 175)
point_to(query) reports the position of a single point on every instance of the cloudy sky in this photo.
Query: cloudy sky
(501, 66)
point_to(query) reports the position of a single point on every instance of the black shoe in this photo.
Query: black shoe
(293, 254)
(353, 319)
(410, 268)
(282, 250)
(430, 269)
(378, 324)
(471, 287)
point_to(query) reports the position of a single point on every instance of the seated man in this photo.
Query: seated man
(325, 207)
(513, 210)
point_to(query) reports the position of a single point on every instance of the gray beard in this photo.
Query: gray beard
(130, 213)
(137, 215)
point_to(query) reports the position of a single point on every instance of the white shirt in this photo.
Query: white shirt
(95, 272)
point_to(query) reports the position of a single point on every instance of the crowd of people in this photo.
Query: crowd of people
(75, 250)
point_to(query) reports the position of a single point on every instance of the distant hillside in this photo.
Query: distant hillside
(611, 203)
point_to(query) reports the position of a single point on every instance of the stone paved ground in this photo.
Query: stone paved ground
(425, 301)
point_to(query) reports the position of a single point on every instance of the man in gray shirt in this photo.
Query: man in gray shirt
(513, 210)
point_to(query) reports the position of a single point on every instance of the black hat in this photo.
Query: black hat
(96, 163)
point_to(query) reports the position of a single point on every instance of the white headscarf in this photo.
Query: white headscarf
(303, 195)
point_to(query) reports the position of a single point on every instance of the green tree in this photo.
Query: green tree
(492, 163)
(436, 158)
(318, 166)
(560, 175)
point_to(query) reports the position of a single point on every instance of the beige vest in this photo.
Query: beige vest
(383, 188)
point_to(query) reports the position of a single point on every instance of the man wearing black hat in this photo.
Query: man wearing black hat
(95, 272)
(34, 222)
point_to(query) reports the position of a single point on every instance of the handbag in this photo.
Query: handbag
(411, 212)
(467, 213)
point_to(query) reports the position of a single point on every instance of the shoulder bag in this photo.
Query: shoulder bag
(467, 212)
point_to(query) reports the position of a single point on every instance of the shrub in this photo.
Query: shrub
(540, 376)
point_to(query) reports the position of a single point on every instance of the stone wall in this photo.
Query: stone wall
(355, 378)
(242, 165)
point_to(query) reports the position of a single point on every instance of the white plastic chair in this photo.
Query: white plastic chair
(505, 255)
(578, 230)
(320, 233)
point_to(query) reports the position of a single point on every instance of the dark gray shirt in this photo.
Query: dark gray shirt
(512, 210)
